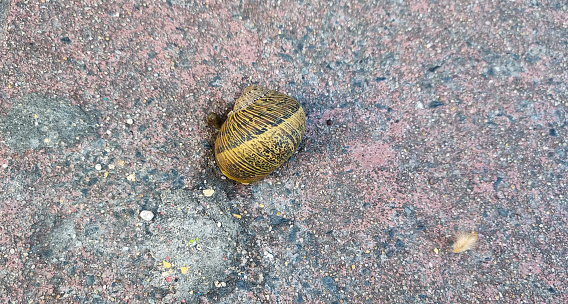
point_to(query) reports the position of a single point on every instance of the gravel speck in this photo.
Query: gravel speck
(146, 215)
(208, 192)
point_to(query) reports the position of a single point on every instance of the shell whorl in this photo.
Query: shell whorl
(260, 134)
(249, 95)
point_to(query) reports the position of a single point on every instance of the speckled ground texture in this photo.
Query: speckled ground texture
(423, 118)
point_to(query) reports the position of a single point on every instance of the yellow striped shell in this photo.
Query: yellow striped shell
(264, 129)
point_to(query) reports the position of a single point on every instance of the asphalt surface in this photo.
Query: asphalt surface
(424, 119)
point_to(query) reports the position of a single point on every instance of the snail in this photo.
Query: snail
(262, 131)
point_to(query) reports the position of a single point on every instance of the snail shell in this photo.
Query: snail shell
(264, 129)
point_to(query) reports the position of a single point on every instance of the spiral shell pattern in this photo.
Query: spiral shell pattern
(263, 131)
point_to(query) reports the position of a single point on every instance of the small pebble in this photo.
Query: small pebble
(146, 215)
(208, 192)
(98, 167)
(129, 121)
(220, 284)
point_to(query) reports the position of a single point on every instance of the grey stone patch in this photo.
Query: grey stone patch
(60, 241)
(4, 5)
(503, 65)
(241, 296)
(195, 235)
(535, 53)
(37, 122)
(41, 235)
(63, 236)
(52, 238)
(277, 198)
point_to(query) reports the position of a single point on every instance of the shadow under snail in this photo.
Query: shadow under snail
(262, 131)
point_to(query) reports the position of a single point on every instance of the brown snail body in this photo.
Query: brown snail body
(263, 131)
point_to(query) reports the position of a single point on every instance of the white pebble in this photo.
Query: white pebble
(129, 121)
(146, 215)
(98, 167)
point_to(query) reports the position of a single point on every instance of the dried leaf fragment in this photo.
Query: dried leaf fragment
(464, 241)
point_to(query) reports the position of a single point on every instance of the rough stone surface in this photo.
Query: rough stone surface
(37, 122)
(424, 118)
(3, 13)
(195, 243)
